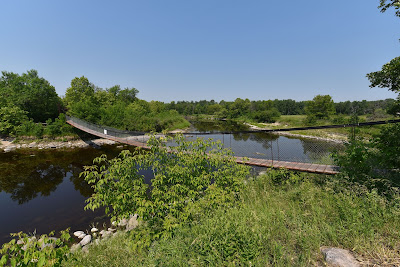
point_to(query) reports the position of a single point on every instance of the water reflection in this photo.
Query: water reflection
(269, 145)
(42, 190)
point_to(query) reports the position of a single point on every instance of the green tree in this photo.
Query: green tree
(196, 176)
(321, 107)
(31, 93)
(388, 77)
(81, 100)
(80, 89)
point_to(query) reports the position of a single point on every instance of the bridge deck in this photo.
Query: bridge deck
(297, 166)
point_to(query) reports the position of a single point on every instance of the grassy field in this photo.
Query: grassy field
(283, 220)
(292, 121)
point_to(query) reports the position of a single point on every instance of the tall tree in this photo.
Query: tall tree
(321, 106)
(31, 93)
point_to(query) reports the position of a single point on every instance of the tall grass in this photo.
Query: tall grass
(283, 220)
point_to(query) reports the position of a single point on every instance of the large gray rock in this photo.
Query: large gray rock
(78, 233)
(82, 236)
(107, 234)
(86, 240)
(339, 257)
(132, 223)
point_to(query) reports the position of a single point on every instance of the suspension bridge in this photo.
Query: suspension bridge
(139, 139)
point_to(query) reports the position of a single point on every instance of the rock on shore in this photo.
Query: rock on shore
(7, 145)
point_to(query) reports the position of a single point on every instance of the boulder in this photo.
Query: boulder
(107, 234)
(86, 240)
(339, 257)
(94, 229)
(78, 233)
(132, 223)
(82, 236)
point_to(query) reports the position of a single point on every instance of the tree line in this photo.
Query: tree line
(28, 100)
(322, 106)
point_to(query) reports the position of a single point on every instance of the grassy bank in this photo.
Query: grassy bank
(292, 121)
(283, 219)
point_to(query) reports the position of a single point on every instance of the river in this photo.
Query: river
(40, 190)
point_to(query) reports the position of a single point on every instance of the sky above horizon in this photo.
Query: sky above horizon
(210, 49)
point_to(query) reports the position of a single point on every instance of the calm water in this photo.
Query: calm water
(267, 145)
(41, 189)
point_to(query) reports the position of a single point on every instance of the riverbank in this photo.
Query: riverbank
(318, 134)
(10, 144)
(287, 222)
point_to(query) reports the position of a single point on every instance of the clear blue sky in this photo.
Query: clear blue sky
(208, 49)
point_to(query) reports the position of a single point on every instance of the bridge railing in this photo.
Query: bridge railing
(276, 147)
(252, 144)
(124, 135)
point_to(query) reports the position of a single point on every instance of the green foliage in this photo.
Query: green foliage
(386, 4)
(310, 119)
(284, 219)
(119, 108)
(375, 164)
(339, 119)
(269, 116)
(321, 107)
(387, 144)
(10, 119)
(388, 77)
(197, 176)
(44, 251)
(53, 129)
(30, 93)
(284, 224)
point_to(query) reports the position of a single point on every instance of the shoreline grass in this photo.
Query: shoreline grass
(283, 220)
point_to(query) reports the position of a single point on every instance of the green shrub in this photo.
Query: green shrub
(375, 164)
(44, 251)
(197, 176)
(11, 118)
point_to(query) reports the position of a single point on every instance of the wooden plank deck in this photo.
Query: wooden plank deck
(297, 166)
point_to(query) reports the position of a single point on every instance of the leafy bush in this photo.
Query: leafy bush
(57, 128)
(310, 120)
(375, 164)
(11, 118)
(45, 251)
(270, 115)
(195, 177)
